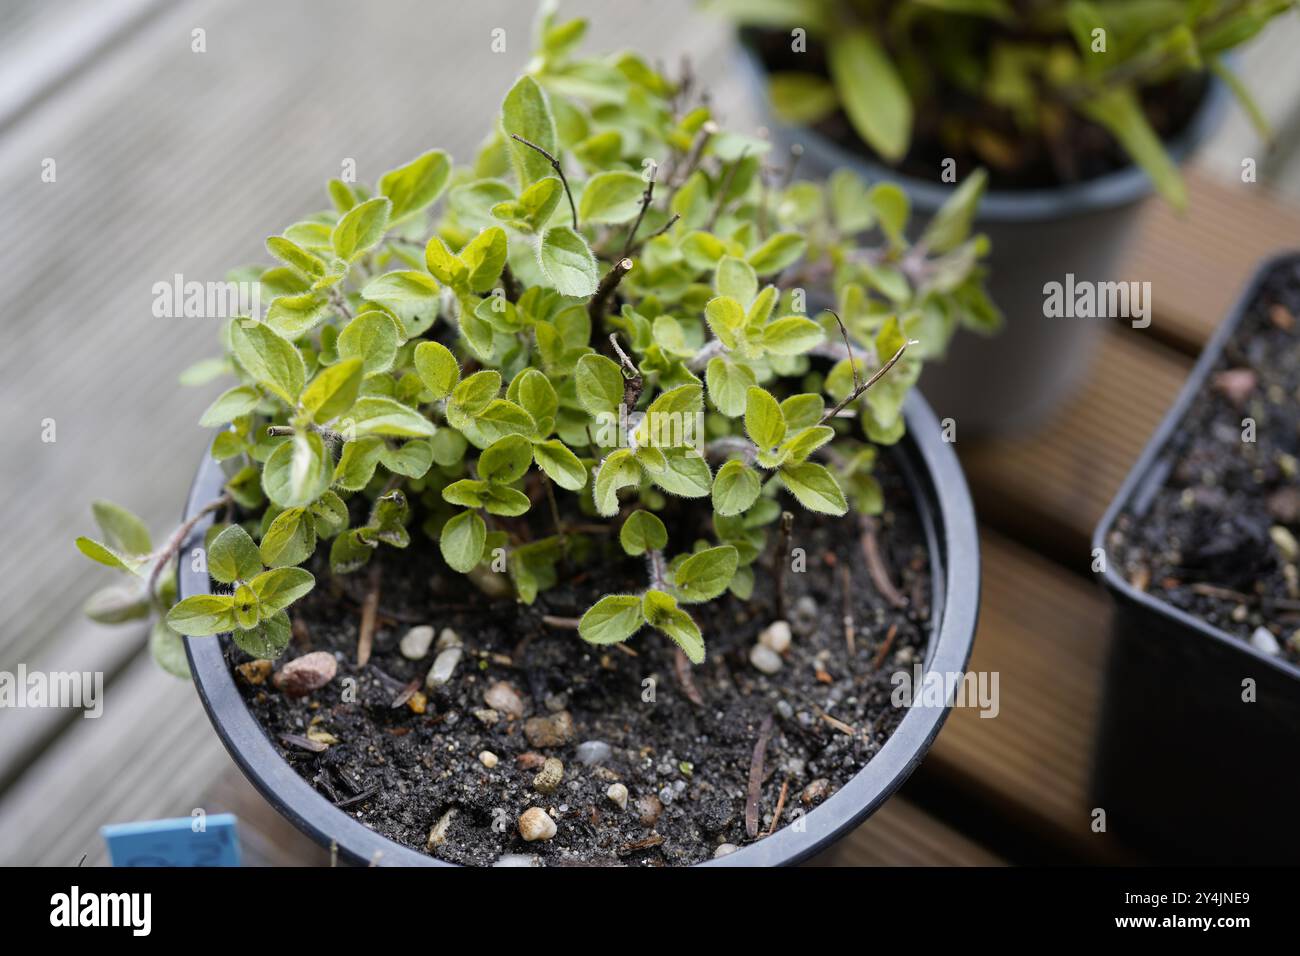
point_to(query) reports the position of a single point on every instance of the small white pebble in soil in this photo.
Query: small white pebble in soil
(592, 752)
(725, 849)
(443, 666)
(448, 639)
(535, 824)
(502, 697)
(617, 794)
(488, 759)
(1285, 542)
(415, 644)
(517, 859)
(1263, 640)
(764, 659)
(776, 636)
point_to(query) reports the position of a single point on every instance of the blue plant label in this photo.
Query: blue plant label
(200, 840)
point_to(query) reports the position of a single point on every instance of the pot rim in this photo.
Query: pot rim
(943, 501)
(1118, 188)
(1143, 471)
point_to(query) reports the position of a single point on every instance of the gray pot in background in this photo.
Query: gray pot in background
(1015, 379)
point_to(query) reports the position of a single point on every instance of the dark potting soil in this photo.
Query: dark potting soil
(686, 764)
(943, 124)
(1218, 538)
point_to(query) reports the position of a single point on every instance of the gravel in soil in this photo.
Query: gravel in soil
(1214, 532)
(636, 757)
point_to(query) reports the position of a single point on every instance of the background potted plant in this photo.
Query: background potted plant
(1074, 109)
(1202, 702)
(567, 412)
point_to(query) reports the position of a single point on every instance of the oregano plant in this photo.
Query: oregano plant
(529, 358)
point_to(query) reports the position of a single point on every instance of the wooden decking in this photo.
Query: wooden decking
(171, 161)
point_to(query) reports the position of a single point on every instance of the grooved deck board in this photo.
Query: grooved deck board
(902, 834)
(1044, 632)
(1049, 487)
(1198, 263)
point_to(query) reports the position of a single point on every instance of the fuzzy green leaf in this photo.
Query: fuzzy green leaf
(298, 471)
(371, 337)
(375, 415)
(526, 113)
(729, 384)
(764, 422)
(618, 470)
(506, 459)
(611, 197)
(230, 404)
(662, 612)
(290, 539)
(361, 228)
(560, 464)
(567, 262)
(642, 532)
(203, 614)
(122, 530)
(815, 488)
(599, 382)
(271, 360)
(871, 91)
(779, 252)
(706, 574)
(612, 619)
(268, 639)
(484, 256)
(414, 187)
(437, 368)
(278, 588)
(462, 541)
(735, 488)
(333, 391)
(233, 556)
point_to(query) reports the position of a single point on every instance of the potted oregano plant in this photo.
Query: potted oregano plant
(1199, 551)
(1071, 110)
(545, 523)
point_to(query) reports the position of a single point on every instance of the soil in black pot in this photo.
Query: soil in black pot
(680, 739)
(953, 124)
(1218, 537)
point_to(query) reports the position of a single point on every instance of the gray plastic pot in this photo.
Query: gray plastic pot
(1015, 379)
(1183, 766)
(935, 479)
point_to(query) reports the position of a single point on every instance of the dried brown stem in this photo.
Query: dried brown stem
(178, 538)
(633, 383)
(559, 171)
(605, 290)
(369, 617)
(646, 198)
(782, 556)
(755, 790)
(876, 563)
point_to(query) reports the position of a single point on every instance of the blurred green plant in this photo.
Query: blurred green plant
(1030, 65)
(609, 304)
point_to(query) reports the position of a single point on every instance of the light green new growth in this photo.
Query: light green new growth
(609, 307)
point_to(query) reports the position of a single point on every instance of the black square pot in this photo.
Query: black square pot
(1185, 768)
